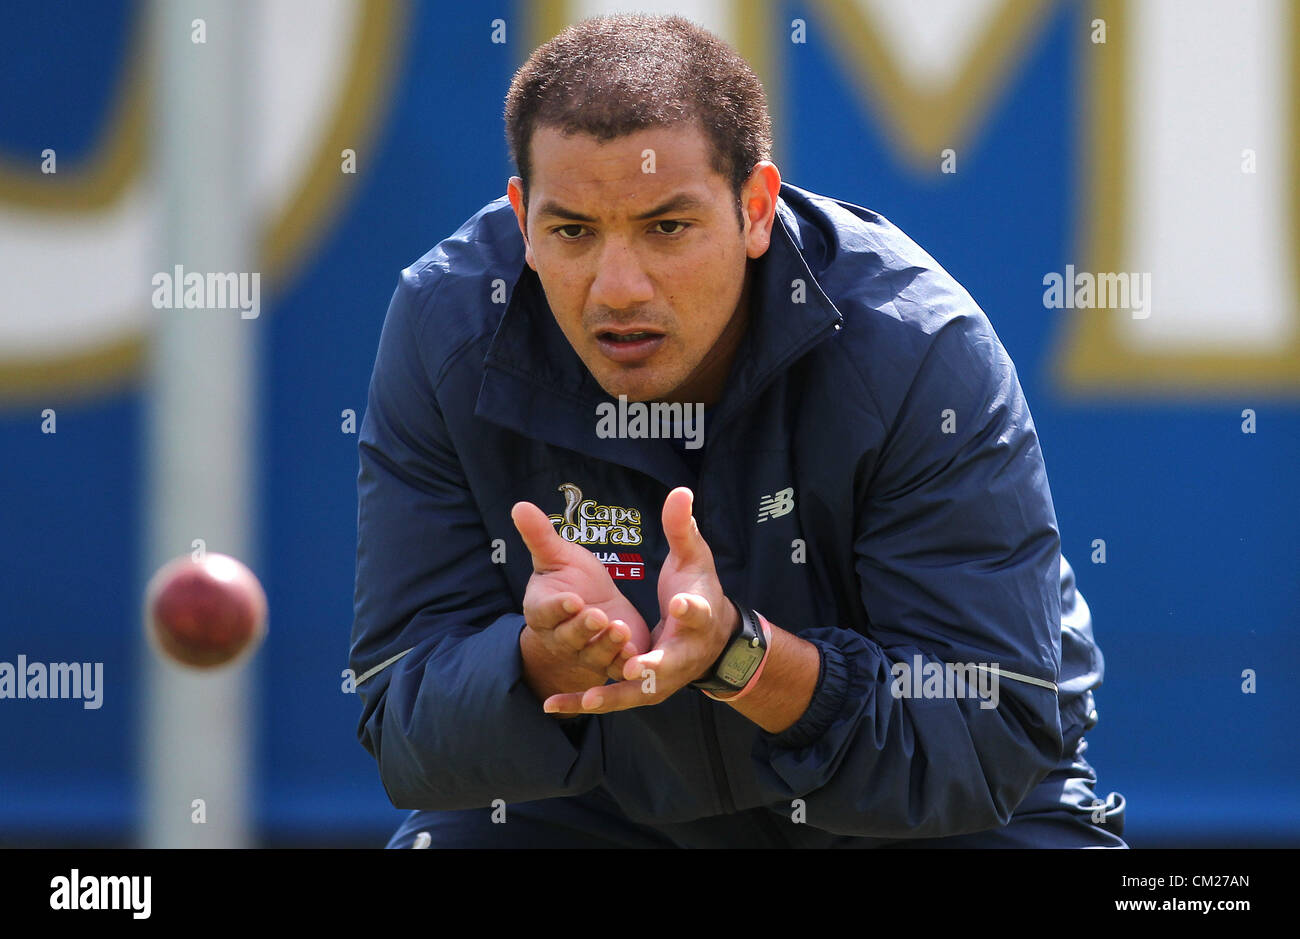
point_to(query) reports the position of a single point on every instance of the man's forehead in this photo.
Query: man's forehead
(637, 208)
(687, 140)
(668, 168)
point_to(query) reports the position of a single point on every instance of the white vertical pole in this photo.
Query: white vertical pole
(200, 426)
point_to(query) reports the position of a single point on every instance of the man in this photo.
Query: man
(697, 509)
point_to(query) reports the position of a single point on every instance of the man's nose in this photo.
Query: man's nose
(620, 280)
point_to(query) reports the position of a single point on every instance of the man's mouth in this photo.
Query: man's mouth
(610, 335)
(629, 345)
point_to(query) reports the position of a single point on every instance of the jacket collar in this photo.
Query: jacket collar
(535, 384)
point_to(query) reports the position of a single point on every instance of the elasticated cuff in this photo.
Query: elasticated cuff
(833, 678)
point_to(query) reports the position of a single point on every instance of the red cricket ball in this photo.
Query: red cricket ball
(205, 613)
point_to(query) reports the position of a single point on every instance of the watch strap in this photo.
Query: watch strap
(750, 632)
(753, 679)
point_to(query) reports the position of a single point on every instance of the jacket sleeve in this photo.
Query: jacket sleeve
(435, 637)
(957, 557)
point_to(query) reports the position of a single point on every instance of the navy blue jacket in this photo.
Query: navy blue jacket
(920, 523)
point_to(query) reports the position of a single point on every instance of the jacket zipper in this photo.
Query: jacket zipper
(793, 357)
(720, 779)
(715, 759)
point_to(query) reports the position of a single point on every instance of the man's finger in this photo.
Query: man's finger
(576, 633)
(551, 611)
(637, 665)
(615, 669)
(603, 699)
(687, 612)
(691, 610)
(540, 538)
(683, 534)
(601, 650)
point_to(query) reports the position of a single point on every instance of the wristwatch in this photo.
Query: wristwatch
(740, 659)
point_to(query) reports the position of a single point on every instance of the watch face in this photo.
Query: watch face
(739, 664)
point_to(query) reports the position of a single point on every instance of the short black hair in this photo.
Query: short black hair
(609, 76)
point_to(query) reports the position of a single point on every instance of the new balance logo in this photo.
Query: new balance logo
(776, 505)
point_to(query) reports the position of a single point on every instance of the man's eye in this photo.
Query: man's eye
(681, 226)
(575, 230)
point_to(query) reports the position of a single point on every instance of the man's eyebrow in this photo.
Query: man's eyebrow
(553, 208)
(681, 202)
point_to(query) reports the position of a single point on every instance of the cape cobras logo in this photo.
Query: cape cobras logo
(585, 521)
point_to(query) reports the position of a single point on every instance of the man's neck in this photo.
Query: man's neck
(707, 383)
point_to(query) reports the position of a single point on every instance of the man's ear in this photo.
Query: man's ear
(515, 192)
(758, 198)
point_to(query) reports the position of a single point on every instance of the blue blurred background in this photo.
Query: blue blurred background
(1056, 141)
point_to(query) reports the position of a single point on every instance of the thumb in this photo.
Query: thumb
(684, 538)
(540, 538)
